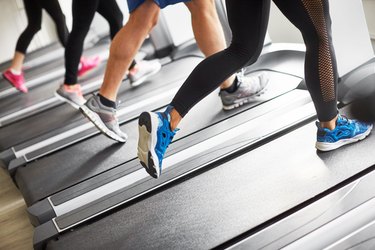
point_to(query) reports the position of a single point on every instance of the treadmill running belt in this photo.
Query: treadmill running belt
(44, 73)
(34, 56)
(215, 206)
(16, 133)
(99, 154)
(75, 162)
(52, 119)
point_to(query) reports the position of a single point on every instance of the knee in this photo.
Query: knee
(147, 23)
(120, 18)
(33, 28)
(315, 37)
(202, 8)
(145, 16)
(117, 20)
(77, 37)
(244, 54)
(60, 20)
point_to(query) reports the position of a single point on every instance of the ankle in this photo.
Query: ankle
(134, 70)
(331, 125)
(107, 102)
(232, 88)
(72, 86)
(175, 119)
(16, 71)
(228, 83)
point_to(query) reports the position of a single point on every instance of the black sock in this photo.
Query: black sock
(233, 88)
(107, 102)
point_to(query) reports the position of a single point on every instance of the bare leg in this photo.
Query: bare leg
(207, 30)
(17, 61)
(125, 46)
(331, 125)
(175, 119)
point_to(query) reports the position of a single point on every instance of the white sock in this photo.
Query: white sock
(15, 72)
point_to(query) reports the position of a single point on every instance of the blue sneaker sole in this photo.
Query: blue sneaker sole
(147, 142)
(326, 146)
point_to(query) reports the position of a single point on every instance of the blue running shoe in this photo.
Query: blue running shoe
(347, 131)
(155, 136)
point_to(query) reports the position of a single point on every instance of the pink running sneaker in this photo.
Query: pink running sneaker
(18, 81)
(88, 64)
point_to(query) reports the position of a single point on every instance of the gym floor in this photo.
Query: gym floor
(16, 232)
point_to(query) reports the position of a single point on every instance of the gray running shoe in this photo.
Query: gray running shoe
(72, 96)
(144, 70)
(248, 89)
(104, 118)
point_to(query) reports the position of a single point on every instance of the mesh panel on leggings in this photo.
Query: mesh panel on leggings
(316, 10)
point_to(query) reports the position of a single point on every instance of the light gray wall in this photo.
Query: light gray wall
(280, 29)
(369, 7)
(279, 24)
(13, 21)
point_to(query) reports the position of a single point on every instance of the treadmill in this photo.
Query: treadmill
(16, 142)
(98, 154)
(248, 201)
(79, 129)
(219, 187)
(37, 57)
(99, 161)
(24, 175)
(17, 107)
(42, 66)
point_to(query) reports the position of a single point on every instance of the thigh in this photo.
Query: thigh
(52, 7)
(84, 12)
(296, 12)
(248, 21)
(133, 4)
(33, 11)
(109, 9)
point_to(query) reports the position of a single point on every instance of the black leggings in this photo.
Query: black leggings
(34, 18)
(83, 14)
(248, 20)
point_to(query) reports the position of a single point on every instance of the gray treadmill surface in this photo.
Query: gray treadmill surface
(99, 154)
(15, 133)
(62, 115)
(41, 74)
(342, 216)
(211, 208)
(41, 57)
(77, 159)
(14, 103)
(34, 72)
(32, 56)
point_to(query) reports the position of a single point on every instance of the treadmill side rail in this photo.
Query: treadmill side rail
(43, 233)
(16, 163)
(325, 222)
(6, 157)
(43, 210)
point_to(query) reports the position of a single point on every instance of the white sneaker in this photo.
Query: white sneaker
(143, 70)
(248, 88)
